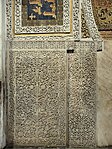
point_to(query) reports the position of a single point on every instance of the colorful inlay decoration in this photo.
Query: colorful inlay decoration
(42, 12)
(41, 9)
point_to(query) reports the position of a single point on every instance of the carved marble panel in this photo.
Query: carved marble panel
(49, 114)
(37, 98)
(82, 95)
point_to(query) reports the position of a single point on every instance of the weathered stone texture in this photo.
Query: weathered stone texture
(104, 101)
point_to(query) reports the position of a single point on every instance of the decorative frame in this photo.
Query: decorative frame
(74, 34)
(19, 29)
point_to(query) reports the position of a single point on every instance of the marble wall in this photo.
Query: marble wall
(0, 77)
(37, 88)
(0, 38)
(104, 100)
(2, 56)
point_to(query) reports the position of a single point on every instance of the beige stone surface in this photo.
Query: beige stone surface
(104, 101)
(0, 41)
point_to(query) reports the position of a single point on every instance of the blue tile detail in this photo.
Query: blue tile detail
(41, 9)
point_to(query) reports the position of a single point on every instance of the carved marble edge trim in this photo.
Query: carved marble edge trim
(94, 33)
(38, 45)
(88, 12)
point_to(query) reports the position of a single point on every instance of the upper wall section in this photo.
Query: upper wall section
(56, 19)
(51, 20)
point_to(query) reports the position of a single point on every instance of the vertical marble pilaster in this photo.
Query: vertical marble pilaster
(2, 43)
(82, 96)
(0, 36)
(0, 75)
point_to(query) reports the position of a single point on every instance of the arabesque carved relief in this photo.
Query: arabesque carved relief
(37, 107)
(51, 93)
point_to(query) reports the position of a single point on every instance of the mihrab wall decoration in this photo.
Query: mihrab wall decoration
(51, 73)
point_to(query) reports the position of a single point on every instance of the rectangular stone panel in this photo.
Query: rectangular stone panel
(82, 95)
(37, 98)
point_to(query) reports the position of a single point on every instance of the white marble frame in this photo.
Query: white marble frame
(74, 35)
(19, 29)
(87, 7)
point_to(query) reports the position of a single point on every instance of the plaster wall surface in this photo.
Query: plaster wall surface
(104, 100)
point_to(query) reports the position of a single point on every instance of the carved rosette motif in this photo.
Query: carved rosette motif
(103, 14)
